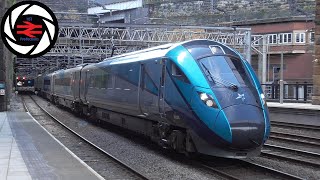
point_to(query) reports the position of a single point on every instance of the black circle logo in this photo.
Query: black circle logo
(29, 29)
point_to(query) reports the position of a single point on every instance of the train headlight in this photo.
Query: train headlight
(208, 100)
(204, 96)
(263, 98)
(210, 103)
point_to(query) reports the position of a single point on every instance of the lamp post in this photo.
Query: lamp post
(281, 83)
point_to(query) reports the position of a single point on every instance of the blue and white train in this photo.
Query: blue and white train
(197, 96)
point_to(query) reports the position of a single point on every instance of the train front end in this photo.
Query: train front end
(231, 115)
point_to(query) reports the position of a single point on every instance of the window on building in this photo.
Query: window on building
(312, 37)
(280, 37)
(256, 40)
(272, 38)
(300, 37)
(285, 38)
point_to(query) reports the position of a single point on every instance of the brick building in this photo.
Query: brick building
(294, 37)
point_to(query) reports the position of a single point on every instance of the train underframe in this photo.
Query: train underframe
(166, 135)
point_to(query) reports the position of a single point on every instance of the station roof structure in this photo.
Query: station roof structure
(90, 43)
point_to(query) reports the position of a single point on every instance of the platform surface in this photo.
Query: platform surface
(12, 165)
(27, 151)
(306, 106)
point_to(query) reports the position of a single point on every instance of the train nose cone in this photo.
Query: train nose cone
(247, 125)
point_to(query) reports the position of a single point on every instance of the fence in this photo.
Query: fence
(293, 92)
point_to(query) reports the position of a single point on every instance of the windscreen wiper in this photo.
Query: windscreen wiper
(207, 70)
(219, 80)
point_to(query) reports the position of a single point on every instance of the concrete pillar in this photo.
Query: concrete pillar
(2, 64)
(316, 63)
(6, 64)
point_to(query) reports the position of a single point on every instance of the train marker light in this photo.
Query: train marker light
(263, 98)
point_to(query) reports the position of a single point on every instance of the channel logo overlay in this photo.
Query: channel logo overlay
(29, 29)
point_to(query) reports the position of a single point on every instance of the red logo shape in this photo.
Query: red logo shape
(29, 27)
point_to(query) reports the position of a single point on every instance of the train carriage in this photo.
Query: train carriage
(196, 96)
(66, 86)
(25, 84)
(38, 84)
(47, 86)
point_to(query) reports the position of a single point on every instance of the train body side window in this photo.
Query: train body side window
(177, 73)
(91, 80)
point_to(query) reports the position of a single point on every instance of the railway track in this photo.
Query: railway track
(89, 153)
(294, 125)
(301, 139)
(237, 169)
(292, 155)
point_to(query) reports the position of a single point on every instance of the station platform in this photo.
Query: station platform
(28, 151)
(308, 114)
(301, 106)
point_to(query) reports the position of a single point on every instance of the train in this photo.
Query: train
(195, 97)
(24, 84)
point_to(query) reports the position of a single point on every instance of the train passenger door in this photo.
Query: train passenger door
(75, 85)
(83, 85)
(161, 94)
(151, 91)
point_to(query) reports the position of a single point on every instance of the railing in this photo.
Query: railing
(292, 92)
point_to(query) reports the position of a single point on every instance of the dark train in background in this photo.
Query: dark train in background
(196, 96)
(24, 84)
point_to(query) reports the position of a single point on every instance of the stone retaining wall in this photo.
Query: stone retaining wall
(214, 11)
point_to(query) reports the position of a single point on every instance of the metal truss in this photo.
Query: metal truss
(80, 43)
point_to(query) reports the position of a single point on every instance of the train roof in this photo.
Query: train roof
(154, 52)
(162, 48)
(158, 52)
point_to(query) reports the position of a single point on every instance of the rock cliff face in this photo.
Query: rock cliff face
(316, 65)
(66, 10)
(215, 11)
(67, 5)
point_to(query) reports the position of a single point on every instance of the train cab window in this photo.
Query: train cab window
(177, 73)
(225, 71)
